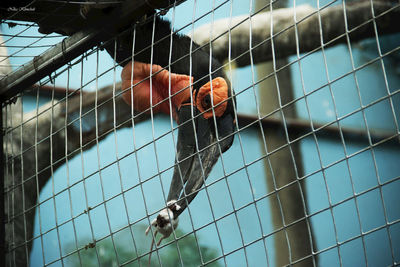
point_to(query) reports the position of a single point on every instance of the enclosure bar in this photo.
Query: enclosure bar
(2, 214)
(76, 45)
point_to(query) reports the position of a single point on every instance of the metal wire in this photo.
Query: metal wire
(84, 134)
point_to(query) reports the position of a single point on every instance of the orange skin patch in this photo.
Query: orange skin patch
(160, 87)
(140, 84)
(219, 89)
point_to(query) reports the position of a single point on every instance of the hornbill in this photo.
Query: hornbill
(196, 88)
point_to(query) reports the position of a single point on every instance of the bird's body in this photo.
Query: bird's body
(169, 70)
(180, 55)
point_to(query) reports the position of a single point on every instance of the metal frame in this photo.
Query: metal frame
(2, 213)
(75, 45)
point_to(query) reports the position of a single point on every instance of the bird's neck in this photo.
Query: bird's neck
(153, 86)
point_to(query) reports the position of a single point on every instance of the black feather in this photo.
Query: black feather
(184, 52)
(180, 56)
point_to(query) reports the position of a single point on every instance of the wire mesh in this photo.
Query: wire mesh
(311, 178)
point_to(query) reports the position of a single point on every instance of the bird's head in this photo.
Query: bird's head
(204, 110)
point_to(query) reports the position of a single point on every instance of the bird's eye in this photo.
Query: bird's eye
(206, 102)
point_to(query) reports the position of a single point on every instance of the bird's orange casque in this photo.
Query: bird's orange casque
(140, 84)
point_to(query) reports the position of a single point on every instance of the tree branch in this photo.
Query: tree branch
(54, 134)
(333, 29)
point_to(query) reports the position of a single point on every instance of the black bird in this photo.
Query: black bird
(198, 86)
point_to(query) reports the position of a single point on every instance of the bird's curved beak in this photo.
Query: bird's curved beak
(198, 150)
